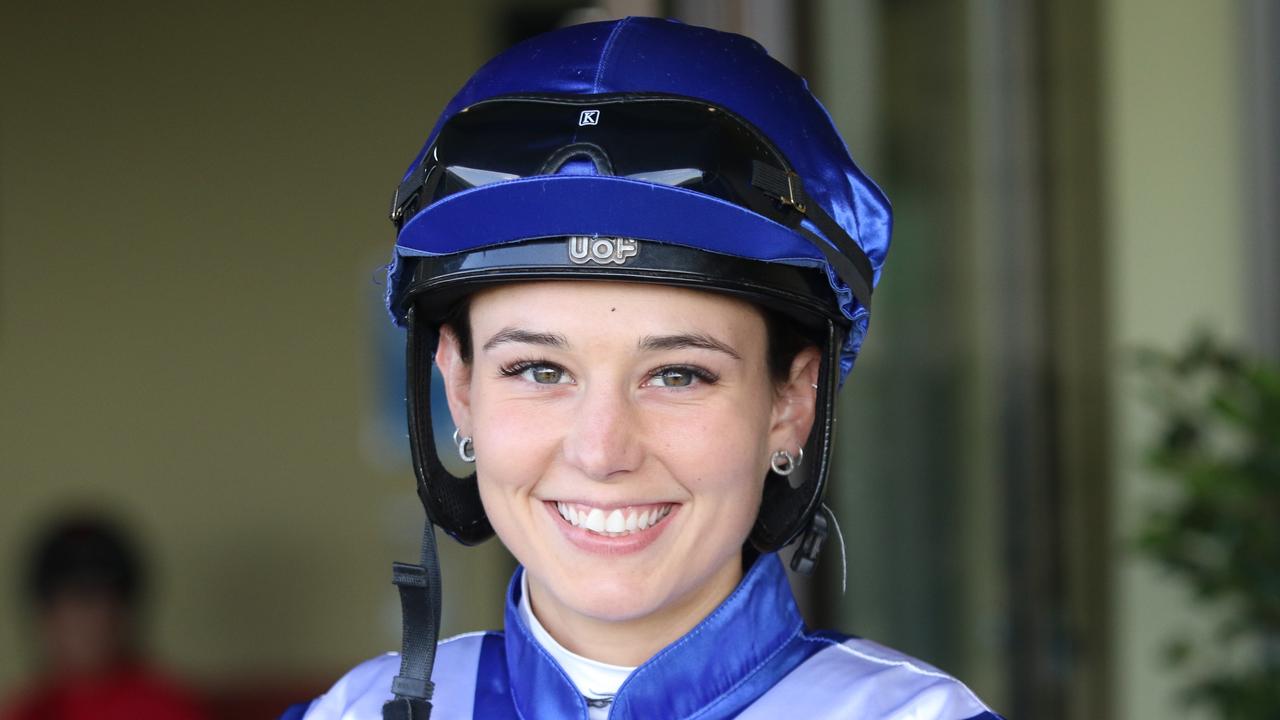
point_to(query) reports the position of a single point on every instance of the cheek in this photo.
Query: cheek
(514, 440)
(717, 453)
(514, 450)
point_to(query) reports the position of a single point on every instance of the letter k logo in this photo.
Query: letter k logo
(589, 117)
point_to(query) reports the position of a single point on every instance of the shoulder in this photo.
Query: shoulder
(360, 693)
(851, 677)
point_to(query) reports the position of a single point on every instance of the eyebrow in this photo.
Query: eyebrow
(516, 335)
(686, 340)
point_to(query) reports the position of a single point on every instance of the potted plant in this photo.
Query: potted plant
(1218, 451)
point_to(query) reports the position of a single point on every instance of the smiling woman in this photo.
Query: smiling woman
(642, 260)
(618, 426)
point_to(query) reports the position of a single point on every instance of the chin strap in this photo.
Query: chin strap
(420, 608)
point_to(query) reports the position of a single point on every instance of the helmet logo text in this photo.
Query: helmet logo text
(602, 250)
(589, 117)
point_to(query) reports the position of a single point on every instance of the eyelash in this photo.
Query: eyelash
(518, 368)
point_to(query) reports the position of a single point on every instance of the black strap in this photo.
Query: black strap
(415, 190)
(420, 599)
(849, 261)
(805, 558)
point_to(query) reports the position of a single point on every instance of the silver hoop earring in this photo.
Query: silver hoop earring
(466, 448)
(783, 463)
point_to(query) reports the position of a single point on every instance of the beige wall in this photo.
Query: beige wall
(1177, 258)
(192, 208)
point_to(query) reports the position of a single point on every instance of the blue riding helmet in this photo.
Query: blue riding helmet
(654, 57)
(640, 150)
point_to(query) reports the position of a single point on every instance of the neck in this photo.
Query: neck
(632, 641)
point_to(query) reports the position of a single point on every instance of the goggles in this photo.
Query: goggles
(664, 140)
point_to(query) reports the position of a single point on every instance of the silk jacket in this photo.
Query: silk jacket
(752, 658)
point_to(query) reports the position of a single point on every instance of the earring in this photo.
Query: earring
(466, 448)
(783, 463)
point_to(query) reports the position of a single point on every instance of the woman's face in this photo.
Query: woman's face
(622, 435)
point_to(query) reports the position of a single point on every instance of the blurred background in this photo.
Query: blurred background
(193, 205)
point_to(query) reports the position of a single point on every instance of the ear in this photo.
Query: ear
(457, 379)
(795, 402)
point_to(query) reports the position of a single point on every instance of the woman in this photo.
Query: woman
(642, 260)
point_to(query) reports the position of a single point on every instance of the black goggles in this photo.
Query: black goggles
(674, 141)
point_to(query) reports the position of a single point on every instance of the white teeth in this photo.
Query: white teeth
(595, 520)
(615, 522)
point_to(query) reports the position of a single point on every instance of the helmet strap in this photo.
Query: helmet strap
(420, 601)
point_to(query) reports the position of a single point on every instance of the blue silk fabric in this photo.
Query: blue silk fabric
(651, 55)
(751, 658)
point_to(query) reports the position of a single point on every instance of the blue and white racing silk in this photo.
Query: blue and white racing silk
(751, 658)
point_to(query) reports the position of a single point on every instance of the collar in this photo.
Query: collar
(728, 660)
(593, 678)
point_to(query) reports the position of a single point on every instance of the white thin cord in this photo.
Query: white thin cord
(844, 566)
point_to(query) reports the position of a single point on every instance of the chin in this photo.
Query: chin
(613, 600)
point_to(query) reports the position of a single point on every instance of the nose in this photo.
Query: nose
(601, 441)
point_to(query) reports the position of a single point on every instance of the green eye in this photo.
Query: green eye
(545, 374)
(674, 377)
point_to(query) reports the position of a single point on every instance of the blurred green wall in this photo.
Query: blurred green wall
(192, 218)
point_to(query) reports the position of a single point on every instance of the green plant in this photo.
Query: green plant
(1219, 529)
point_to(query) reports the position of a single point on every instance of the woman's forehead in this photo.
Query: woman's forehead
(607, 307)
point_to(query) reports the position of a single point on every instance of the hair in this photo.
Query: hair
(784, 343)
(82, 554)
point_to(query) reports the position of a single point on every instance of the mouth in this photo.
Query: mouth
(614, 522)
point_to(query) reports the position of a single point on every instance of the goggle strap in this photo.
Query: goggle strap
(787, 188)
(843, 265)
(420, 183)
(406, 189)
(784, 186)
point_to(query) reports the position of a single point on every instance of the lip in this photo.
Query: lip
(594, 544)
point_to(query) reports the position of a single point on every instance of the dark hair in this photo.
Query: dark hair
(784, 343)
(84, 554)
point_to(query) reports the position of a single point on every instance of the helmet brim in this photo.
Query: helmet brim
(594, 206)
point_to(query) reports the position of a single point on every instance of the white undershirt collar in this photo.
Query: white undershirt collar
(593, 679)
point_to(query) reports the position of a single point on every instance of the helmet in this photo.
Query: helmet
(643, 150)
(640, 150)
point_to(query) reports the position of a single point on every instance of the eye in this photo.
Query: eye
(680, 376)
(544, 374)
(539, 373)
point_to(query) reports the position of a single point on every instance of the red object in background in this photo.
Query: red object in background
(131, 693)
(262, 699)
